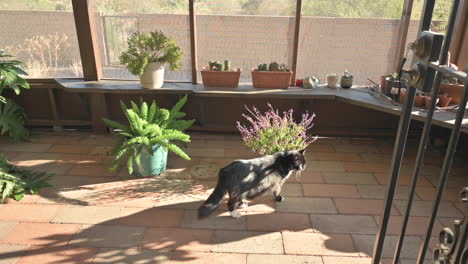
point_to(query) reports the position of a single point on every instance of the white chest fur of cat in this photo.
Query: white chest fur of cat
(246, 179)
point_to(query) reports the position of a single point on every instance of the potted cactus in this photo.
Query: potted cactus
(331, 80)
(219, 74)
(273, 75)
(452, 87)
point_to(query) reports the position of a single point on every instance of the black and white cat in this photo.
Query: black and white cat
(247, 179)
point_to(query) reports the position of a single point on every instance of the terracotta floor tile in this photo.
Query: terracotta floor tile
(325, 166)
(403, 179)
(307, 177)
(346, 260)
(41, 234)
(151, 217)
(379, 191)
(278, 222)
(178, 239)
(131, 255)
(88, 215)
(417, 225)
(318, 244)
(330, 190)
(28, 212)
(373, 167)
(25, 147)
(217, 220)
(349, 178)
(5, 228)
(282, 259)
(11, 253)
(108, 236)
(365, 245)
(73, 149)
(91, 170)
(361, 206)
(306, 205)
(343, 224)
(27, 199)
(333, 156)
(58, 254)
(187, 257)
(292, 189)
(424, 208)
(429, 194)
(247, 242)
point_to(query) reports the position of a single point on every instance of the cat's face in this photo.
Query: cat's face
(298, 160)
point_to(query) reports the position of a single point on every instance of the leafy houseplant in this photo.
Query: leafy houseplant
(147, 54)
(150, 133)
(273, 75)
(12, 116)
(14, 182)
(220, 74)
(271, 132)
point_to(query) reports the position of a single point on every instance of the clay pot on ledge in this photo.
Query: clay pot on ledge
(444, 100)
(418, 99)
(427, 102)
(271, 79)
(452, 90)
(220, 78)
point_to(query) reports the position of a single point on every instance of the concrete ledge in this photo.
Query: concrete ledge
(355, 96)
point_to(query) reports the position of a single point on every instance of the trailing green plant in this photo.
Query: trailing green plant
(15, 182)
(274, 66)
(149, 125)
(12, 116)
(144, 48)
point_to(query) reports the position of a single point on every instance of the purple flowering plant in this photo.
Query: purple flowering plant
(271, 132)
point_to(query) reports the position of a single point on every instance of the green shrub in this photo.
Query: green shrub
(148, 126)
(144, 48)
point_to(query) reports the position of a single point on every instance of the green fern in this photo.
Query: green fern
(12, 121)
(15, 182)
(148, 126)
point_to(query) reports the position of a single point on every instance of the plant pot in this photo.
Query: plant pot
(271, 79)
(452, 90)
(151, 164)
(427, 102)
(418, 100)
(394, 84)
(153, 76)
(444, 101)
(383, 84)
(220, 78)
(331, 81)
(346, 82)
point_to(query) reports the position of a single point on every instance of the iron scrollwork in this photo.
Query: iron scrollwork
(452, 244)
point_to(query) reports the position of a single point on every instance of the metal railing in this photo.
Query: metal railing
(452, 244)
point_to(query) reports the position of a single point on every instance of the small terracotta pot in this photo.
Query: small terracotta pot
(453, 90)
(444, 101)
(418, 101)
(427, 102)
(383, 84)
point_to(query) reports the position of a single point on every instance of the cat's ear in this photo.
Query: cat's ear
(302, 151)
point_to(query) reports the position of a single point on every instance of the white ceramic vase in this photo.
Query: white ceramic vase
(153, 77)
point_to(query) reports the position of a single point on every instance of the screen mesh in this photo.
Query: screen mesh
(43, 35)
(359, 36)
(116, 21)
(247, 33)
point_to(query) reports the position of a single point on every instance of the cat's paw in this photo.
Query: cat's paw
(235, 214)
(243, 205)
(279, 198)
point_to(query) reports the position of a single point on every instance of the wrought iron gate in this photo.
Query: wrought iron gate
(429, 67)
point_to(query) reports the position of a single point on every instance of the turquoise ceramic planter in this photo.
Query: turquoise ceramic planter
(151, 164)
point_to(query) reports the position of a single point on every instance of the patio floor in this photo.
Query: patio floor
(329, 216)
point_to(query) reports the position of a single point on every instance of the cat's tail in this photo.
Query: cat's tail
(213, 201)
